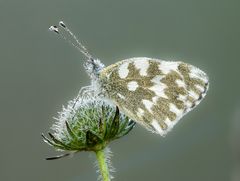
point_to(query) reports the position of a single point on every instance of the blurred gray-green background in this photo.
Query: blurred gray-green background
(39, 73)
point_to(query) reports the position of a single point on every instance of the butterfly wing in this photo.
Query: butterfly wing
(154, 93)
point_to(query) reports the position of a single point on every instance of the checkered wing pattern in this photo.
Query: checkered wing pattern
(154, 93)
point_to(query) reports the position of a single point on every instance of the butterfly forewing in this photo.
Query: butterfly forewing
(154, 93)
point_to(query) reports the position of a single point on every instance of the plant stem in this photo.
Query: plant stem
(102, 162)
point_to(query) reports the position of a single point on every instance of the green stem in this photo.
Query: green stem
(101, 158)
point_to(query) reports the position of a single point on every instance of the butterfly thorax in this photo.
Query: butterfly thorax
(93, 68)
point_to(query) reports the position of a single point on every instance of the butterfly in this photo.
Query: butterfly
(154, 93)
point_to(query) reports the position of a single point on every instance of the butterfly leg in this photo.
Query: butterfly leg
(84, 91)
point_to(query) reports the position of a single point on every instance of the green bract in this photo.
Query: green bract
(88, 126)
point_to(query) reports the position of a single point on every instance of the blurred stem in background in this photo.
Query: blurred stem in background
(235, 144)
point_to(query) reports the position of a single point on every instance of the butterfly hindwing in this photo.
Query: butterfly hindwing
(152, 92)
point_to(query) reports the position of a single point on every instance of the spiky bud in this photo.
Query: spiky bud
(87, 125)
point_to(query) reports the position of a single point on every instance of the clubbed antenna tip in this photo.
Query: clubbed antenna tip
(61, 23)
(54, 29)
(75, 43)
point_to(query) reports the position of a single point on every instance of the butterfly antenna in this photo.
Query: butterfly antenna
(78, 45)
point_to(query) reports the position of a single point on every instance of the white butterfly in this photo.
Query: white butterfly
(152, 92)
